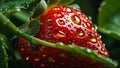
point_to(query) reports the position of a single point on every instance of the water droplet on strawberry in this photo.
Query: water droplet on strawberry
(61, 22)
(42, 65)
(56, 8)
(75, 19)
(43, 55)
(57, 15)
(88, 50)
(81, 34)
(49, 20)
(36, 59)
(60, 34)
(22, 49)
(27, 58)
(93, 40)
(67, 9)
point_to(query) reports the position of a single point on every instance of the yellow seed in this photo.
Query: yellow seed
(49, 20)
(81, 34)
(68, 9)
(61, 22)
(60, 34)
(93, 40)
(57, 15)
(56, 8)
(36, 59)
(73, 44)
(75, 19)
(22, 49)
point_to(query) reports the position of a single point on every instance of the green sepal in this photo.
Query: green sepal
(39, 9)
(34, 27)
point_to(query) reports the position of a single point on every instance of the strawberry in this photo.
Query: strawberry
(69, 26)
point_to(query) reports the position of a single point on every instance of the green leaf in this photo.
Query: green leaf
(59, 2)
(80, 51)
(7, 6)
(39, 9)
(3, 54)
(34, 27)
(109, 18)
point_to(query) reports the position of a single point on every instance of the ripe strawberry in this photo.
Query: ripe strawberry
(70, 26)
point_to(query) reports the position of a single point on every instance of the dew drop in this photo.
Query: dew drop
(36, 59)
(56, 8)
(22, 49)
(79, 13)
(27, 58)
(81, 34)
(61, 22)
(88, 50)
(93, 28)
(88, 24)
(43, 55)
(60, 34)
(103, 49)
(85, 25)
(75, 19)
(93, 40)
(42, 65)
(57, 15)
(49, 20)
(67, 9)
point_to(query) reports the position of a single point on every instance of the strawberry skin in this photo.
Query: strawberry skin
(69, 26)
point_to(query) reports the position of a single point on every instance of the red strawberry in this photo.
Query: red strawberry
(70, 26)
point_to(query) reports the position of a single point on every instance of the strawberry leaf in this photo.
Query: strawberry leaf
(80, 51)
(34, 27)
(59, 2)
(3, 54)
(109, 18)
(7, 6)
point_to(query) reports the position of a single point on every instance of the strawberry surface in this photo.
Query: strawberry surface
(69, 26)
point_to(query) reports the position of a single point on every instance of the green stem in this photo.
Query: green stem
(77, 50)
(3, 53)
